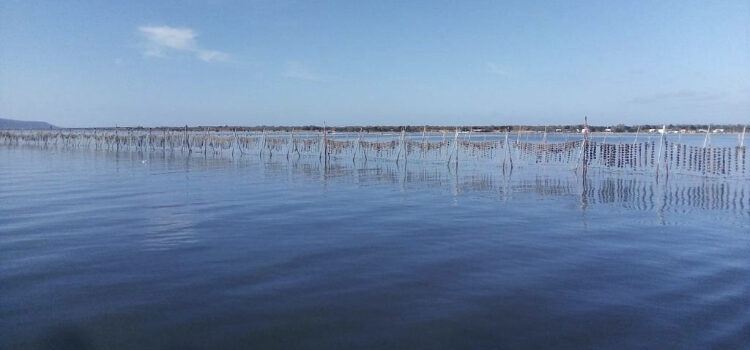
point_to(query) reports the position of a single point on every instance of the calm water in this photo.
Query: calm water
(129, 251)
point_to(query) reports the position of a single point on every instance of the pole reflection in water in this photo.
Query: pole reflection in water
(276, 252)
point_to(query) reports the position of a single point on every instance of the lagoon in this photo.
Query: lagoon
(122, 250)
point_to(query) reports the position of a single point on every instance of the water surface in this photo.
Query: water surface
(129, 250)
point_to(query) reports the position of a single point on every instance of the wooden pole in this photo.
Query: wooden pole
(706, 140)
(187, 140)
(742, 139)
(455, 147)
(661, 146)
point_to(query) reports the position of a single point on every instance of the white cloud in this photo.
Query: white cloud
(161, 39)
(212, 55)
(297, 70)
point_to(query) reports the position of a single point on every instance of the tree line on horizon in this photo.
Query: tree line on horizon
(571, 128)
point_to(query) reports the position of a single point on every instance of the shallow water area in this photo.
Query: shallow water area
(104, 249)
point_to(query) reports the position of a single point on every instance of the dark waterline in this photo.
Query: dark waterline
(125, 250)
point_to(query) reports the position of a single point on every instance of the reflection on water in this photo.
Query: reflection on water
(632, 192)
(628, 191)
(128, 250)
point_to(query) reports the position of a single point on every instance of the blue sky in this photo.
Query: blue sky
(99, 63)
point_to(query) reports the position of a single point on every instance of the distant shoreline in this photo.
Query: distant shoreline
(12, 124)
(573, 128)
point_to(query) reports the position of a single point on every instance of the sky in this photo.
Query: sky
(276, 62)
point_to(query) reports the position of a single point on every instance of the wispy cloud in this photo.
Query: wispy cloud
(679, 96)
(297, 70)
(497, 70)
(637, 71)
(162, 39)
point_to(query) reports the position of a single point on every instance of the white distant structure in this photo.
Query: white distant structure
(585, 129)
